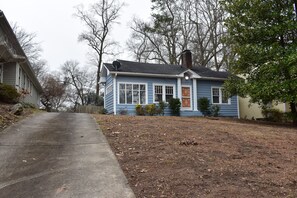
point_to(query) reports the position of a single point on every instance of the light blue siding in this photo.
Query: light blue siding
(149, 81)
(204, 90)
(109, 96)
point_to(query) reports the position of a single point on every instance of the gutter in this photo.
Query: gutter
(162, 75)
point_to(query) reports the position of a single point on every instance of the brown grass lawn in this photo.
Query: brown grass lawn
(199, 157)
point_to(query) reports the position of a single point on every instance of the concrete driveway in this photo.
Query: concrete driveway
(59, 155)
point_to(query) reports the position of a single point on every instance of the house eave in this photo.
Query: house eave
(194, 75)
(143, 74)
(213, 78)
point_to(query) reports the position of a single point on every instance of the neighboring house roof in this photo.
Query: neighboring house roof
(129, 67)
(13, 51)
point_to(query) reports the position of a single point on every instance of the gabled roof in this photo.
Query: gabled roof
(166, 70)
(148, 68)
(12, 50)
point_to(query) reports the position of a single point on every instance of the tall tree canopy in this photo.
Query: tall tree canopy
(263, 33)
(177, 25)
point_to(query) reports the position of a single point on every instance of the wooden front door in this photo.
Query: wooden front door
(186, 97)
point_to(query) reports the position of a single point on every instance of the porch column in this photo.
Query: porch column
(115, 94)
(195, 93)
(179, 88)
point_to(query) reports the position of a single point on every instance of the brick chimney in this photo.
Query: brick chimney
(187, 59)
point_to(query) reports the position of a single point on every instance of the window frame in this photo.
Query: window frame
(220, 96)
(163, 91)
(131, 83)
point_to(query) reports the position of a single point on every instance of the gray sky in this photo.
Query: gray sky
(57, 29)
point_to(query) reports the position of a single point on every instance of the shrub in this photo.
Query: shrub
(203, 106)
(123, 111)
(174, 105)
(102, 111)
(8, 94)
(28, 105)
(214, 110)
(139, 109)
(273, 115)
(151, 109)
(161, 107)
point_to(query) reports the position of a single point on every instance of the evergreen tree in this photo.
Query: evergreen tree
(263, 33)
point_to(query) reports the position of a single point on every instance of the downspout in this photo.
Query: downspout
(115, 94)
(238, 110)
(104, 99)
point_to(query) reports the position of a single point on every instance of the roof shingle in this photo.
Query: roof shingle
(150, 68)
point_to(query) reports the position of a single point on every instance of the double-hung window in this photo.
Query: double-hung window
(132, 93)
(219, 96)
(163, 93)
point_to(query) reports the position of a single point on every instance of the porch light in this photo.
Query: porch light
(187, 77)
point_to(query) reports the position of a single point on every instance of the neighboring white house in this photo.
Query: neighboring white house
(253, 110)
(15, 69)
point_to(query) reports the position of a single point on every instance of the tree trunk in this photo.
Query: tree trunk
(294, 112)
(97, 82)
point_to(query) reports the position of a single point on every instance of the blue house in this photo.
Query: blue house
(128, 83)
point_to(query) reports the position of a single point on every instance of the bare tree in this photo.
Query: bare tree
(158, 40)
(178, 25)
(54, 94)
(81, 83)
(32, 49)
(98, 20)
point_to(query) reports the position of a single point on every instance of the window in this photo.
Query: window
(168, 93)
(219, 96)
(20, 79)
(1, 73)
(132, 93)
(158, 93)
(163, 93)
(24, 81)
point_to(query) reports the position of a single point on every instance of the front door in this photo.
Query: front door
(186, 98)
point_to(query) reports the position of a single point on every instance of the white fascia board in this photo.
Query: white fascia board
(195, 75)
(213, 78)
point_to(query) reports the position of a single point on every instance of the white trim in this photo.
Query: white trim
(179, 88)
(238, 110)
(104, 97)
(191, 98)
(220, 96)
(115, 95)
(195, 94)
(194, 74)
(163, 91)
(181, 75)
(133, 83)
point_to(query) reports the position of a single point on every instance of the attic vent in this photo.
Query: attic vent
(116, 65)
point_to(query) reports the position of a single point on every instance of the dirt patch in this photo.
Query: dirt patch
(197, 157)
(7, 118)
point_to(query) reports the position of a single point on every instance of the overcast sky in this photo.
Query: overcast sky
(57, 29)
